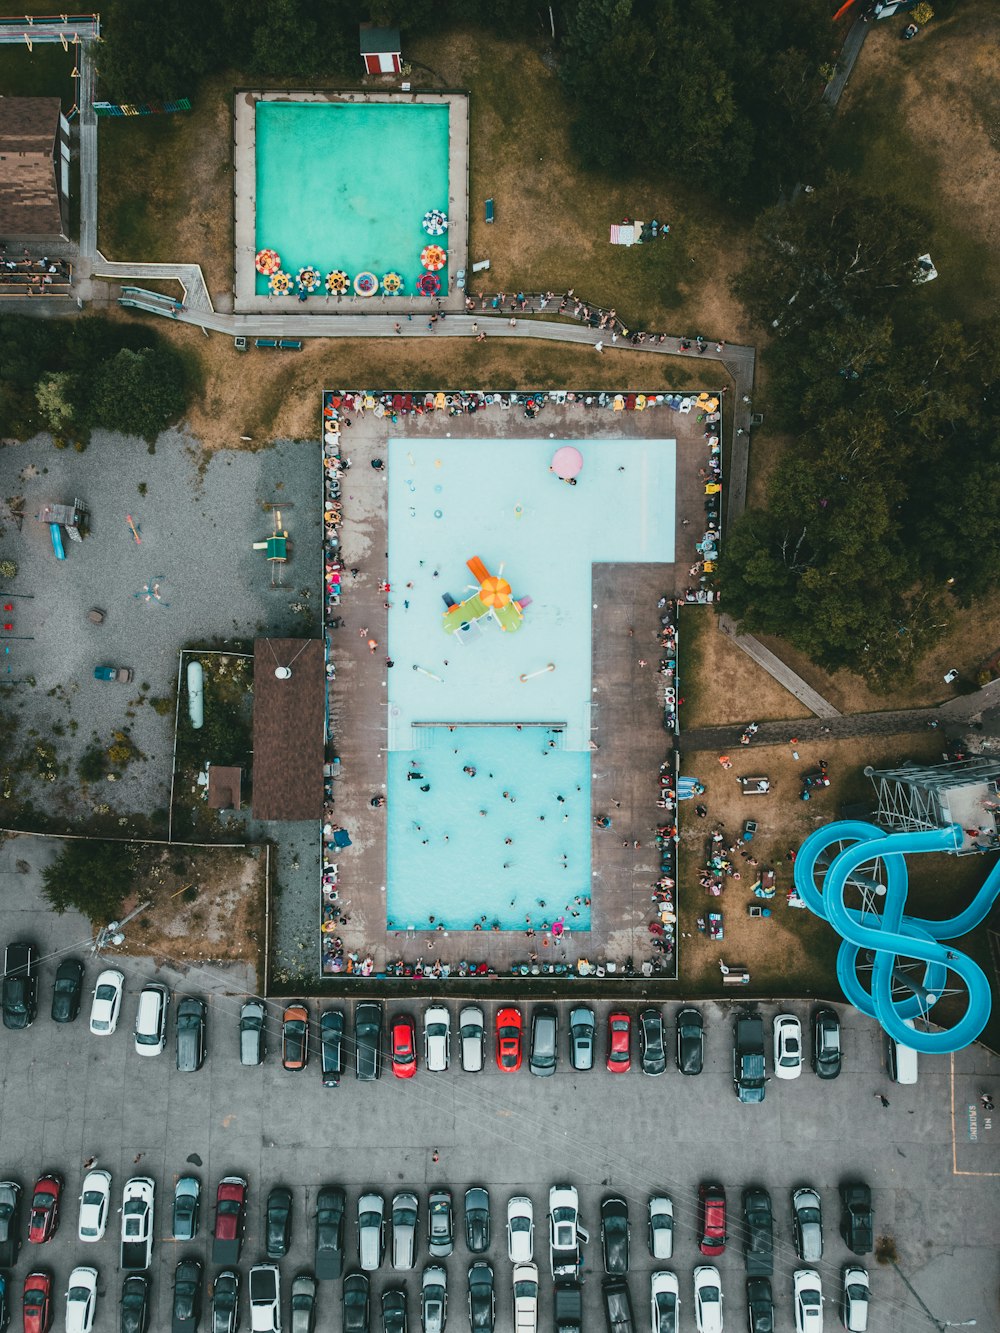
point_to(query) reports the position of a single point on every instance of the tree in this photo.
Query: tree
(139, 393)
(55, 393)
(91, 877)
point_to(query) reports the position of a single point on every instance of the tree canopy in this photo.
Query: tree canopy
(90, 877)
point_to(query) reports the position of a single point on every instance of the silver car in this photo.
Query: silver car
(857, 1292)
(437, 1038)
(434, 1299)
(472, 1038)
(404, 1231)
(371, 1231)
(807, 1223)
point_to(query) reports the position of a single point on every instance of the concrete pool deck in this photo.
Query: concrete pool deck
(247, 301)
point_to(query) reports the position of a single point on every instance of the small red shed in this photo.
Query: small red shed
(380, 50)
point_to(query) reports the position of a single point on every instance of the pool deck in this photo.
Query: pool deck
(627, 721)
(246, 299)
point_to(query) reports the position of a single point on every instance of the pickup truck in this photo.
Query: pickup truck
(230, 1221)
(758, 1242)
(265, 1299)
(565, 1231)
(568, 1306)
(525, 1278)
(137, 1224)
(749, 1078)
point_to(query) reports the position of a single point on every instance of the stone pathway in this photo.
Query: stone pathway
(838, 727)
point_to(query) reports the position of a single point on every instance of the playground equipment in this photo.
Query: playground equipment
(276, 547)
(491, 600)
(688, 788)
(58, 517)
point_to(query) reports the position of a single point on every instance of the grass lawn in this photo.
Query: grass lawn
(45, 71)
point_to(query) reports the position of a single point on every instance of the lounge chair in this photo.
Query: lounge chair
(489, 210)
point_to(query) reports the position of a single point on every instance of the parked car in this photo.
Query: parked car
(808, 1297)
(394, 1310)
(857, 1218)
(807, 1225)
(477, 1220)
(617, 1298)
(403, 1045)
(187, 1203)
(651, 1045)
(565, 1231)
(278, 1222)
(36, 1304)
(707, 1299)
(331, 1046)
(712, 1209)
(226, 1301)
(151, 1020)
(760, 1305)
(357, 1303)
(230, 1221)
(43, 1220)
(544, 1053)
(826, 1046)
(520, 1230)
(368, 1040)
(20, 985)
(10, 1222)
(137, 1210)
(582, 1031)
(437, 1038)
(787, 1046)
(371, 1231)
(525, 1282)
(665, 1302)
(857, 1295)
(567, 1306)
(661, 1226)
(749, 1077)
(404, 1231)
(433, 1299)
(190, 1034)
(615, 1235)
(619, 1043)
(331, 1204)
(472, 1038)
(67, 991)
(135, 1304)
(690, 1041)
(186, 1310)
(120, 675)
(5, 1300)
(758, 1235)
(509, 1029)
(265, 1299)
(81, 1300)
(482, 1298)
(253, 1026)
(95, 1202)
(107, 1002)
(304, 1304)
(440, 1224)
(295, 1036)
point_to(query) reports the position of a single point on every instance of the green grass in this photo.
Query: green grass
(43, 72)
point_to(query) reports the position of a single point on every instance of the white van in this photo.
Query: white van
(900, 1060)
(151, 1020)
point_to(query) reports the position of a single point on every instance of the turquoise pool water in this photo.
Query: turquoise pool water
(346, 185)
(450, 500)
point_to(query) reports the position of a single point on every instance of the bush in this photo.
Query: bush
(93, 764)
(90, 877)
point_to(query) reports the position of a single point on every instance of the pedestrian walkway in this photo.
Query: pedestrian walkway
(781, 672)
(840, 727)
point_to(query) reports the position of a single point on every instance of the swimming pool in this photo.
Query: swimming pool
(345, 185)
(526, 692)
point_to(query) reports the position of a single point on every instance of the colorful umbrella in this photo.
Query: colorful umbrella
(566, 462)
(494, 591)
(433, 257)
(267, 262)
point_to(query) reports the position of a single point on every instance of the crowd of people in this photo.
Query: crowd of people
(31, 275)
(335, 960)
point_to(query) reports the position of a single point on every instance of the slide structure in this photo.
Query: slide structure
(493, 599)
(824, 867)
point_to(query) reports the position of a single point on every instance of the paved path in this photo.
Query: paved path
(853, 43)
(781, 672)
(898, 723)
(88, 154)
(19, 31)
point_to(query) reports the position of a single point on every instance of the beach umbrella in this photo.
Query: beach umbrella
(494, 591)
(566, 462)
(432, 257)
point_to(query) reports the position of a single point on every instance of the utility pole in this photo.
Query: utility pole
(113, 932)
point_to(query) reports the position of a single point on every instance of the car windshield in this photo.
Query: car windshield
(710, 1295)
(41, 1200)
(369, 1220)
(520, 1224)
(404, 1217)
(808, 1216)
(77, 1294)
(436, 1030)
(106, 992)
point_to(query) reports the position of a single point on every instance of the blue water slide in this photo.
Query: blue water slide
(57, 541)
(825, 865)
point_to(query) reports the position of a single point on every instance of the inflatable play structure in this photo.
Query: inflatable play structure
(855, 857)
(491, 600)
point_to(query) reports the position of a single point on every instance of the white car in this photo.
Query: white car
(857, 1293)
(437, 1038)
(81, 1300)
(265, 1299)
(661, 1226)
(95, 1200)
(472, 1037)
(107, 1002)
(808, 1301)
(525, 1298)
(520, 1230)
(151, 1020)
(665, 1302)
(565, 1231)
(787, 1046)
(707, 1299)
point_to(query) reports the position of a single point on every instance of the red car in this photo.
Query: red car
(37, 1302)
(509, 1032)
(230, 1220)
(619, 1043)
(404, 1046)
(44, 1218)
(712, 1204)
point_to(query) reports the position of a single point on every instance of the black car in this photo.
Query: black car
(857, 1219)
(4, 1301)
(690, 1041)
(20, 985)
(67, 990)
(330, 1205)
(394, 1310)
(278, 1222)
(614, 1235)
(226, 1302)
(135, 1304)
(357, 1312)
(543, 1055)
(331, 1046)
(186, 1309)
(482, 1297)
(758, 1244)
(190, 1034)
(760, 1305)
(749, 1076)
(617, 1299)
(826, 1043)
(368, 1040)
(10, 1222)
(477, 1219)
(582, 1027)
(304, 1304)
(652, 1050)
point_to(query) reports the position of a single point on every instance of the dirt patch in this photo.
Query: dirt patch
(720, 683)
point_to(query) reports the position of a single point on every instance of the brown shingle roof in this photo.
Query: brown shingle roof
(29, 197)
(224, 787)
(288, 722)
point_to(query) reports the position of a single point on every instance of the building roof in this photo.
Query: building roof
(224, 787)
(289, 717)
(379, 41)
(29, 195)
